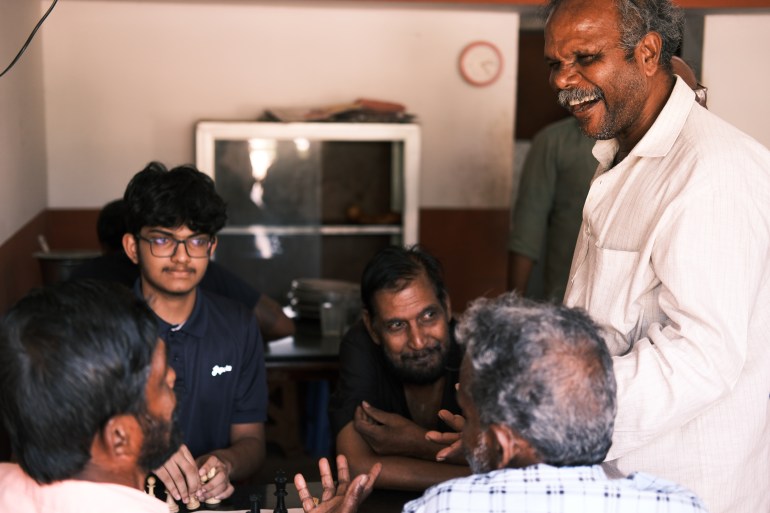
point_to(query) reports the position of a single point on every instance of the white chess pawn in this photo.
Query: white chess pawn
(211, 473)
(193, 503)
(173, 507)
(151, 486)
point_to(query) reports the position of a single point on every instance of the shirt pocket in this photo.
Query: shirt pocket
(621, 295)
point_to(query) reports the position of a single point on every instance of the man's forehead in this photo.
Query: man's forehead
(168, 229)
(397, 297)
(581, 27)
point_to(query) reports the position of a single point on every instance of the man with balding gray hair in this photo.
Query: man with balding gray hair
(538, 395)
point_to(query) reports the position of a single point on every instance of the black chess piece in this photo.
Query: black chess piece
(280, 492)
(254, 499)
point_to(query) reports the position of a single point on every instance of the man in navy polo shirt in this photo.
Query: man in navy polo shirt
(214, 344)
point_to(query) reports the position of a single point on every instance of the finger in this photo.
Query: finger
(442, 438)
(367, 428)
(305, 496)
(228, 491)
(374, 473)
(216, 486)
(343, 474)
(360, 488)
(208, 468)
(327, 480)
(455, 422)
(361, 416)
(180, 474)
(435, 436)
(376, 414)
(452, 451)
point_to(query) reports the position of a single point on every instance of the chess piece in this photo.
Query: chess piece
(193, 503)
(254, 499)
(204, 478)
(151, 486)
(173, 507)
(280, 492)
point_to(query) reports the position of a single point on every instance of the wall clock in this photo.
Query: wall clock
(481, 63)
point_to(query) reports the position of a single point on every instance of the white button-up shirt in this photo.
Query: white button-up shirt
(674, 259)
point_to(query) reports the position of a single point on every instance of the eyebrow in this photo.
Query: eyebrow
(432, 307)
(161, 231)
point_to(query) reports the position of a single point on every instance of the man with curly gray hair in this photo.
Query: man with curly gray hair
(537, 391)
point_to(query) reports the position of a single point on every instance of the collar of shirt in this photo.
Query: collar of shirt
(195, 325)
(659, 139)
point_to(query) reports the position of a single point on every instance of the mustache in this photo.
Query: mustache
(567, 96)
(180, 269)
(422, 353)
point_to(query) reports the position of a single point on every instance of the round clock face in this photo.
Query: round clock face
(481, 63)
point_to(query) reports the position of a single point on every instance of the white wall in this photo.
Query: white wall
(22, 136)
(126, 81)
(736, 71)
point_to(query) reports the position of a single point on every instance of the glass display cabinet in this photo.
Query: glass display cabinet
(310, 200)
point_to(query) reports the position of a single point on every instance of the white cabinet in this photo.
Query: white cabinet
(310, 200)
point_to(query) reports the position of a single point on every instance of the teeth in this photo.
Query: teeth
(572, 103)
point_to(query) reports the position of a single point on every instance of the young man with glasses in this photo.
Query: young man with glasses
(214, 344)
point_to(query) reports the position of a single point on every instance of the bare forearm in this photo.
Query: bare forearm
(519, 269)
(273, 323)
(404, 473)
(244, 458)
(399, 472)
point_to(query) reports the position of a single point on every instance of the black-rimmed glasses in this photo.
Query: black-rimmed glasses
(198, 246)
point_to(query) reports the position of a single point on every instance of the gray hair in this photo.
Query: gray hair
(637, 18)
(544, 371)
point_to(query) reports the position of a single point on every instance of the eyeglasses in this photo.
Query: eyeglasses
(198, 246)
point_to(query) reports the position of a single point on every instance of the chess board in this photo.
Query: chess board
(240, 500)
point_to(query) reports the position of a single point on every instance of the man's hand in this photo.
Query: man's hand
(215, 475)
(453, 450)
(391, 434)
(180, 474)
(347, 496)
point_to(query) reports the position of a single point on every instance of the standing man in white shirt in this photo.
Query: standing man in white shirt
(672, 256)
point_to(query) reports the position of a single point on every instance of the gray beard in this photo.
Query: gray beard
(478, 457)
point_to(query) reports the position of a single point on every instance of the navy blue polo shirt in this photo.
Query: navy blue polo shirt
(219, 361)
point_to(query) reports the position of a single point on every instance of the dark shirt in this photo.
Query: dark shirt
(219, 361)
(118, 267)
(365, 375)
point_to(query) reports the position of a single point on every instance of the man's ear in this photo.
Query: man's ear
(119, 442)
(131, 247)
(214, 242)
(648, 50)
(513, 451)
(368, 323)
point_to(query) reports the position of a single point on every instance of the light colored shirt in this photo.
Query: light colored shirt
(673, 258)
(546, 489)
(19, 493)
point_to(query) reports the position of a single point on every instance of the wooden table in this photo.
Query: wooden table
(290, 362)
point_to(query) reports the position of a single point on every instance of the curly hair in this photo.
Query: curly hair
(183, 195)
